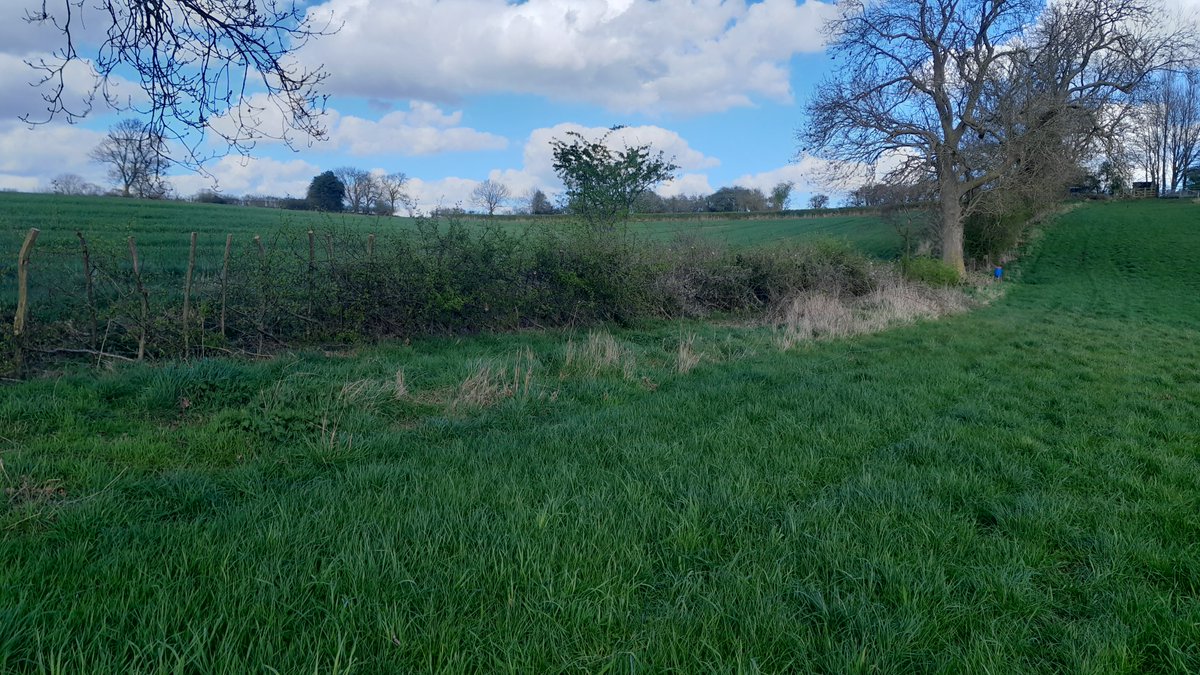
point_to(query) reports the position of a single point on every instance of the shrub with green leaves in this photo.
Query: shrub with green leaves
(989, 235)
(929, 271)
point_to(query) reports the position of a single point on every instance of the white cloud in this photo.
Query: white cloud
(444, 193)
(802, 176)
(25, 38)
(236, 175)
(422, 130)
(687, 184)
(627, 55)
(20, 183)
(809, 174)
(22, 98)
(29, 158)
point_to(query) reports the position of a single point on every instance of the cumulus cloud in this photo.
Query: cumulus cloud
(627, 55)
(236, 175)
(21, 97)
(687, 184)
(424, 129)
(29, 158)
(444, 193)
(809, 174)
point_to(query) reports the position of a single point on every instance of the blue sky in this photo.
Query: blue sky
(453, 92)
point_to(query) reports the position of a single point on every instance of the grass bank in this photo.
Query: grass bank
(1010, 490)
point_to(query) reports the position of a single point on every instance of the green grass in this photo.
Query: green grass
(864, 232)
(161, 228)
(1013, 490)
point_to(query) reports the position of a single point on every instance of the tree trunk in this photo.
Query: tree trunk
(952, 228)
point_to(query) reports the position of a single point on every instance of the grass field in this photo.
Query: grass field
(1010, 490)
(161, 228)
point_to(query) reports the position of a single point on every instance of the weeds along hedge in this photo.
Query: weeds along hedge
(297, 288)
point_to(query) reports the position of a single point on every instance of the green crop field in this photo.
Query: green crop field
(1009, 490)
(161, 228)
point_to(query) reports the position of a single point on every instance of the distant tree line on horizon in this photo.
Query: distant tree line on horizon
(354, 190)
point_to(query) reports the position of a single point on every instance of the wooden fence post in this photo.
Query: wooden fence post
(187, 293)
(137, 277)
(23, 295)
(23, 281)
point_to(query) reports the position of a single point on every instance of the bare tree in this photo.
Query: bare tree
(361, 188)
(72, 184)
(195, 61)
(391, 189)
(134, 155)
(980, 95)
(489, 195)
(818, 201)
(1167, 128)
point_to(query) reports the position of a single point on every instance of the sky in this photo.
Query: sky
(453, 92)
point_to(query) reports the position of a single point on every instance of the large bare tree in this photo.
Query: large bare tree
(392, 190)
(361, 188)
(134, 156)
(1166, 133)
(976, 95)
(194, 60)
(489, 195)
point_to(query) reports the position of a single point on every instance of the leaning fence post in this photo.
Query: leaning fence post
(225, 280)
(187, 292)
(137, 277)
(23, 294)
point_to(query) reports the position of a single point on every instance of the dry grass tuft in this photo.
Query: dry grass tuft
(822, 316)
(687, 356)
(367, 393)
(600, 352)
(400, 387)
(489, 384)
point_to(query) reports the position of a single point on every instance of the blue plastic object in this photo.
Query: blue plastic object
(999, 273)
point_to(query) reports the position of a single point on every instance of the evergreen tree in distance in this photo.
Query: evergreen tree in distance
(326, 193)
